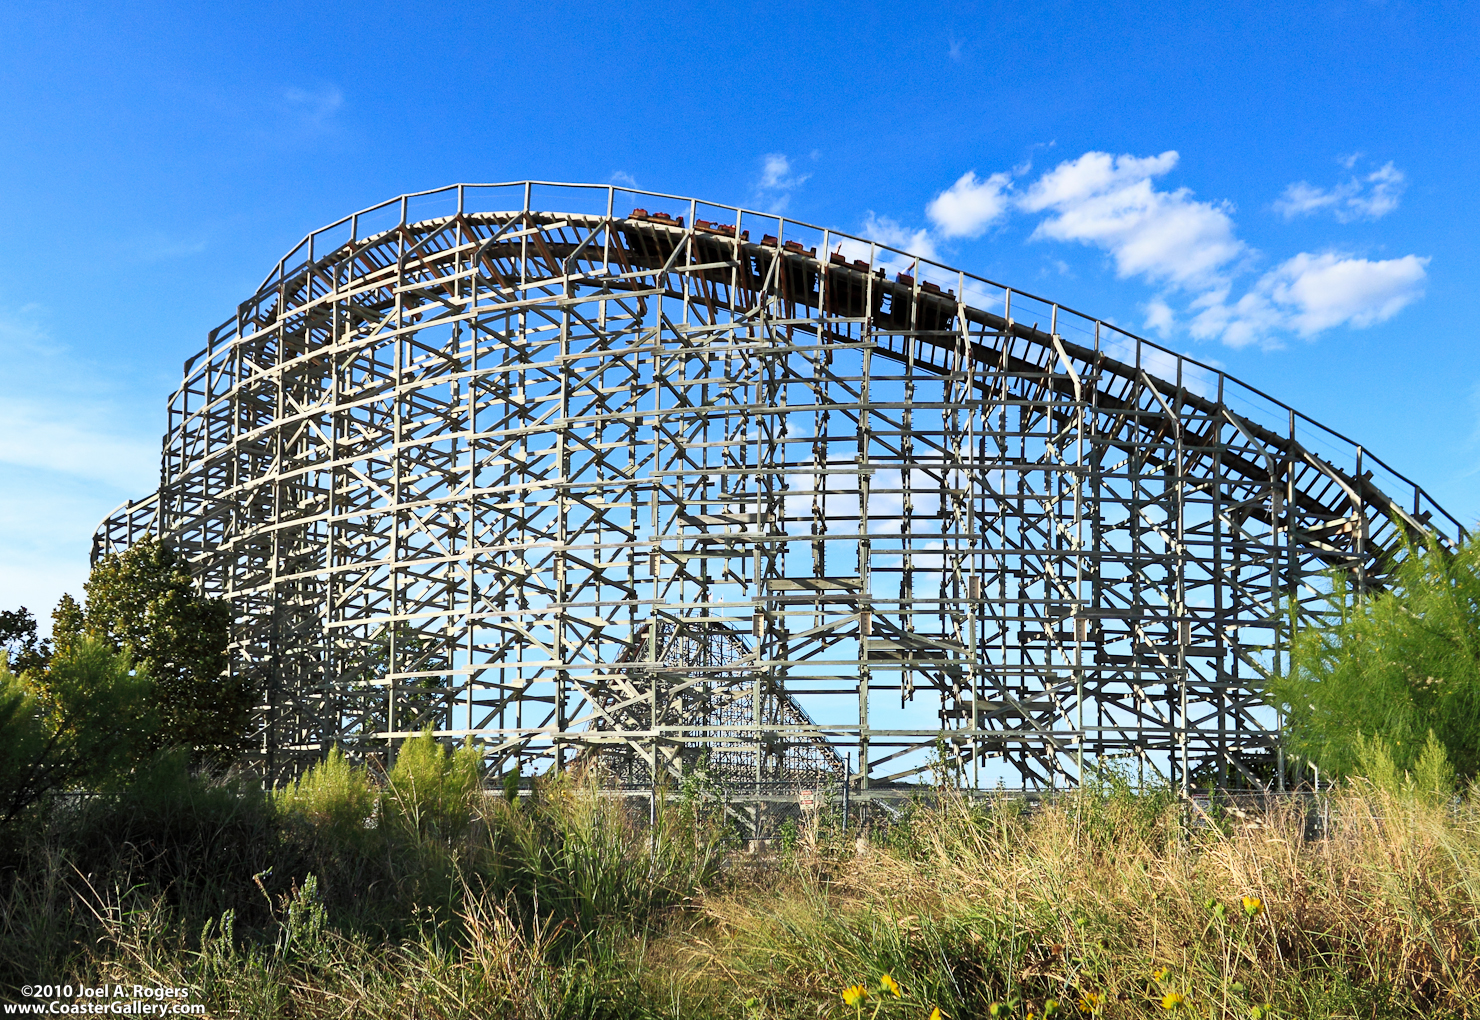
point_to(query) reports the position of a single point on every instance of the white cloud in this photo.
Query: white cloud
(1110, 202)
(1187, 249)
(887, 231)
(1171, 239)
(777, 181)
(1327, 290)
(1302, 199)
(969, 206)
(776, 173)
(1356, 198)
(39, 435)
(1385, 186)
(1250, 319)
(1160, 319)
(55, 413)
(1309, 293)
(46, 553)
(622, 177)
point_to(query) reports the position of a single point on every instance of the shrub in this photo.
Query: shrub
(334, 796)
(430, 792)
(1400, 665)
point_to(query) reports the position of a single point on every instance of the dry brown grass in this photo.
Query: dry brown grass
(1090, 898)
(965, 905)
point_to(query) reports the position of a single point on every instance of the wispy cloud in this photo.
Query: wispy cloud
(151, 246)
(44, 437)
(623, 178)
(316, 106)
(160, 247)
(70, 449)
(56, 414)
(1366, 197)
(1160, 319)
(45, 553)
(22, 334)
(778, 179)
(887, 231)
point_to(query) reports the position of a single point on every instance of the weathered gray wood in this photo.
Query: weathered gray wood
(579, 483)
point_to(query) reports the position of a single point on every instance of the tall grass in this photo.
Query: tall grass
(417, 894)
(1110, 903)
(412, 887)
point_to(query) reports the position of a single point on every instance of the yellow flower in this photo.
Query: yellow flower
(936, 1014)
(1173, 1000)
(1091, 1003)
(854, 994)
(1160, 974)
(1253, 906)
(888, 984)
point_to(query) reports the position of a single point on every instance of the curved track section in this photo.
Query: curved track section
(559, 467)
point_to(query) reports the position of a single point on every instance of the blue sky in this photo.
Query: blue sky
(1287, 191)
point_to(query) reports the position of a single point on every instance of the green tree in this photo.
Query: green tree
(143, 600)
(24, 650)
(85, 722)
(1395, 665)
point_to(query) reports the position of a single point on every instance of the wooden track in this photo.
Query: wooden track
(463, 457)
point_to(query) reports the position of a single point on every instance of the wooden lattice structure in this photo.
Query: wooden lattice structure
(571, 470)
